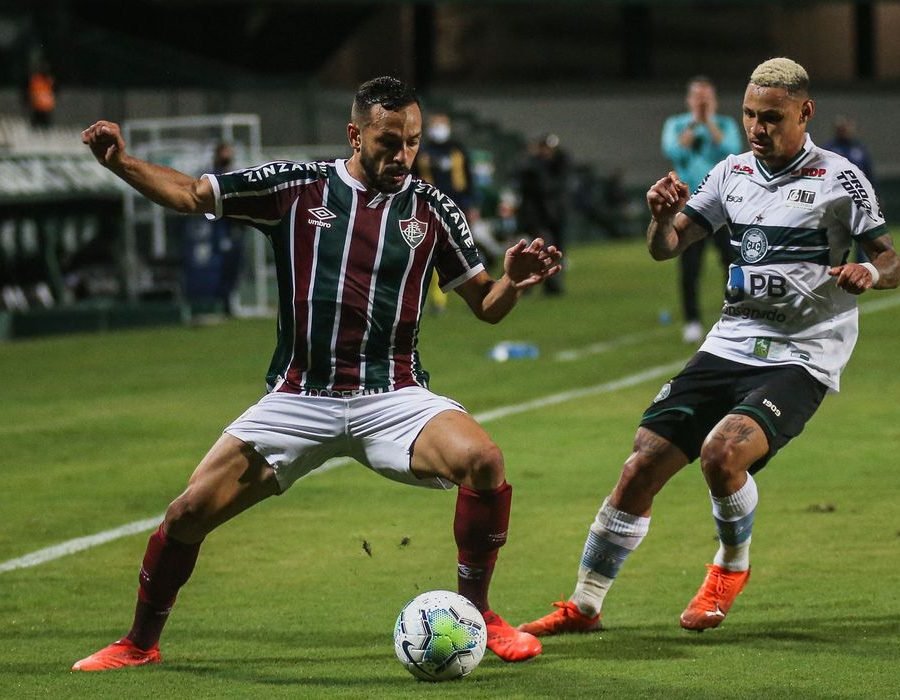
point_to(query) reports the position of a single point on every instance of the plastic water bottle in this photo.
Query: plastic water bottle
(510, 350)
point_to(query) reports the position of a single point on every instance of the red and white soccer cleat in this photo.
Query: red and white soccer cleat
(565, 619)
(507, 642)
(708, 608)
(118, 655)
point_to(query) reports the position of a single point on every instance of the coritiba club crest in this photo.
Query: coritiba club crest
(754, 245)
(413, 231)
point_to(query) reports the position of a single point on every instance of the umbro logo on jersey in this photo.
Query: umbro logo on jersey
(413, 231)
(322, 216)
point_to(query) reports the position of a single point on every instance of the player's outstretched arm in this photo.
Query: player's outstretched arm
(524, 265)
(670, 231)
(881, 272)
(165, 186)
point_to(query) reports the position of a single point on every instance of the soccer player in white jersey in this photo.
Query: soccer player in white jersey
(355, 242)
(788, 326)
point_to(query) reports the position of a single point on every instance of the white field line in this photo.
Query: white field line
(79, 544)
(609, 345)
(605, 388)
(63, 549)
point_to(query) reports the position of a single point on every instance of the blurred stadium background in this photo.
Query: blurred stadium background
(276, 77)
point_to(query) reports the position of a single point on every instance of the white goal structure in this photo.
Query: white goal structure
(152, 242)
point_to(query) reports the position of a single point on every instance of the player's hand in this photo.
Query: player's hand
(527, 264)
(852, 277)
(667, 197)
(106, 143)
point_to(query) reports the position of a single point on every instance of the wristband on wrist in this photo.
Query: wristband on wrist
(873, 271)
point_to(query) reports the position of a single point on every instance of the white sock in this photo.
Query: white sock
(614, 535)
(734, 522)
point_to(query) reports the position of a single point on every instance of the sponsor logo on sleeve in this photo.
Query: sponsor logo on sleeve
(858, 194)
(700, 186)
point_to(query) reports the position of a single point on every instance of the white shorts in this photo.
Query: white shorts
(297, 434)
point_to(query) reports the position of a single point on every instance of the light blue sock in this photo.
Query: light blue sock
(614, 535)
(734, 522)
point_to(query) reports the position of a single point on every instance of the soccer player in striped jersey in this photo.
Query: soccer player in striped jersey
(355, 244)
(787, 329)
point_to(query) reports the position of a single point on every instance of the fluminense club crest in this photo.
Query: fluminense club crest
(413, 231)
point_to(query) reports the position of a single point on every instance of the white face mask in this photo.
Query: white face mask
(439, 133)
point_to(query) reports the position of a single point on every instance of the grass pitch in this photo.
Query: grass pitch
(102, 430)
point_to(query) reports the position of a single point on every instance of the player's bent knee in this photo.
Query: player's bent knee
(721, 459)
(482, 467)
(640, 471)
(187, 517)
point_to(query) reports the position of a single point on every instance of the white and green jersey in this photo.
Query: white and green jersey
(787, 229)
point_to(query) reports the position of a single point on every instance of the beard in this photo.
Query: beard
(382, 181)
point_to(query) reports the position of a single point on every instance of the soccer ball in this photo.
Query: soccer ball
(439, 636)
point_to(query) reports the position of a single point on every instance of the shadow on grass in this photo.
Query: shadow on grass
(867, 636)
(247, 655)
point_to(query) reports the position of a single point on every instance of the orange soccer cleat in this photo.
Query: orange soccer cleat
(566, 618)
(714, 599)
(118, 655)
(507, 642)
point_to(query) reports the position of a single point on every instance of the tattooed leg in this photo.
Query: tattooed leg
(653, 461)
(729, 450)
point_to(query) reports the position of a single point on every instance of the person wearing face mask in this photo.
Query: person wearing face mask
(444, 162)
(544, 188)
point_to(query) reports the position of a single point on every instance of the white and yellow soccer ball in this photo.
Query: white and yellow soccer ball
(440, 636)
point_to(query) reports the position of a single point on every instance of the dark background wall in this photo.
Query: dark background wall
(603, 74)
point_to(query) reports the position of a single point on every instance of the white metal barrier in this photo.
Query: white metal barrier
(187, 144)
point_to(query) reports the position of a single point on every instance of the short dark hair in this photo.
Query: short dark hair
(702, 79)
(389, 92)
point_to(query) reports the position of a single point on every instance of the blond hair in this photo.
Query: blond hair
(781, 72)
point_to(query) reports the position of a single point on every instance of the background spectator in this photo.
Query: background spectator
(40, 93)
(543, 185)
(694, 141)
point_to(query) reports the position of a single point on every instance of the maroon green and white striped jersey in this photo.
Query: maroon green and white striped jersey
(353, 267)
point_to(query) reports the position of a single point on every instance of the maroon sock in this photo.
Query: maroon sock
(480, 525)
(167, 566)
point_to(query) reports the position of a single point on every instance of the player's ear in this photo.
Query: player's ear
(807, 110)
(354, 136)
